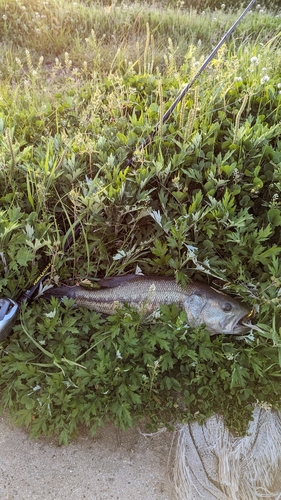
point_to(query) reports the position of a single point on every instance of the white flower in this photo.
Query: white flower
(279, 85)
(238, 79)
(254, 60)
(118, 354)
(4, 17)
(264, 79)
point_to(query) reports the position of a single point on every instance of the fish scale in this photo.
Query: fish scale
(141, 293)
(202, 303)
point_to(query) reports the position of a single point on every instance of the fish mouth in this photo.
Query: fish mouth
(241, 324)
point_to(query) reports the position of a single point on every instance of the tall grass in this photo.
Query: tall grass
(91, 31)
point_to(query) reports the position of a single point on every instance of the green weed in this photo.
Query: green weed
(203, 200)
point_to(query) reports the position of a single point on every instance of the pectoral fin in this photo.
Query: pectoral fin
(193, 307)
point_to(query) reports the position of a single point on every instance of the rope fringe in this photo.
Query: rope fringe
(212, 464)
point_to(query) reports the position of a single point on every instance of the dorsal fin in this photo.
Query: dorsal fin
(113, 281)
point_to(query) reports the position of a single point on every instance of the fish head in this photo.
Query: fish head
(219, 312)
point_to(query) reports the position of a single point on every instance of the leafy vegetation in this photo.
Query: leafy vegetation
(202, 200)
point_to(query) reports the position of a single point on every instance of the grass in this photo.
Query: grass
(115, 34)
(77, 98)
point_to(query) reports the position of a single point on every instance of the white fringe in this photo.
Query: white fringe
(212, 464)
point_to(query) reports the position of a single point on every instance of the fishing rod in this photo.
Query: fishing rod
(8, 307)
(188, 85)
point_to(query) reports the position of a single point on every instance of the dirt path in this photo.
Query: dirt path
(113, 465)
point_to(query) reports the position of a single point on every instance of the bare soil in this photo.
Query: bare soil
(112, 465)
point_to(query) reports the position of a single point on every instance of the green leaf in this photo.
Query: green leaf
(24, 255)
(274, 216)
(28, 402)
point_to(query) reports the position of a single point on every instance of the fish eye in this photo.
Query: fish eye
(226, 306)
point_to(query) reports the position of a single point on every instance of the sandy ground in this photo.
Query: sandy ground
(114, 465)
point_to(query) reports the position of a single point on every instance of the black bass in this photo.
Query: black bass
(203, 304)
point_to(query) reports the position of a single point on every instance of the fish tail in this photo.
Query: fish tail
(59, 292)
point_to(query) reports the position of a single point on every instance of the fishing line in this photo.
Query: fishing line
(8, 307)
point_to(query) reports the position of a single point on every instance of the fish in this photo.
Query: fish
(202, 304)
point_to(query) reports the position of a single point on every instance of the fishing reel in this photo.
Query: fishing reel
(8, 314)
